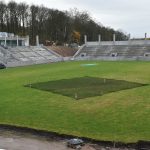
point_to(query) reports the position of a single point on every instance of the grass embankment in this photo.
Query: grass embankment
(122, 115)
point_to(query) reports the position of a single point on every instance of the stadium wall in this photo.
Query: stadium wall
(130, 42)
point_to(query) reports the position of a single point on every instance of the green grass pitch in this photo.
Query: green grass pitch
(113, 99)
(84, 87)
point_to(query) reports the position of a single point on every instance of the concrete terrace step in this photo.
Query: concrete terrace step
(27, 55)
(117, 50)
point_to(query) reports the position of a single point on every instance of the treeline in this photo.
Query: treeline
(51, 24)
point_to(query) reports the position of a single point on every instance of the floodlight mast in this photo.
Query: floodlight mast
(85, 39)
(145, 36)
(114, 38)
(37, 40)
(99, 39)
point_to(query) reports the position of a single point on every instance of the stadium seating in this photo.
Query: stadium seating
(111, 51)
(28, 55)
(20, 56)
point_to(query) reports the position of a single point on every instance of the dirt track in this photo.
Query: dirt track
(12, 140)
(17, 140)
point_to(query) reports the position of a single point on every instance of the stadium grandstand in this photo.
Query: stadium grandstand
(114, 50)
(16, 51)
(23, 55)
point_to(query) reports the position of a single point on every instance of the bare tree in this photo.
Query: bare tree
(2, 15)
(33, 23)
(22, 16)
(13, 19)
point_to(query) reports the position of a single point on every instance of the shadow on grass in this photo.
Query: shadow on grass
(84, 87)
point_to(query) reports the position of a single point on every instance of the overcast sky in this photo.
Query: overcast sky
(131, 16)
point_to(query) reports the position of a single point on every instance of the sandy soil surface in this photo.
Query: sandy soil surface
(14, 140)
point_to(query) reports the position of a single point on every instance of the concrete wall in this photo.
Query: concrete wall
(130, 42)
(114, 58)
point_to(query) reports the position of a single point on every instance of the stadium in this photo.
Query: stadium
(12, 54)
(69, 82)
(100, 93)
